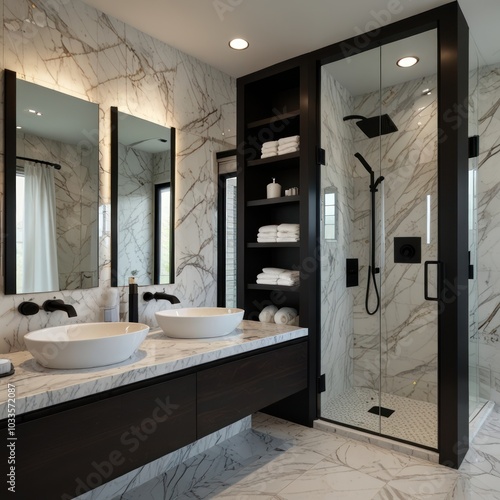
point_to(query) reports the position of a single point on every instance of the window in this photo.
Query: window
(330, 213)
(163, 236)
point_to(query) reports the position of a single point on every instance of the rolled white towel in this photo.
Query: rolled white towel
(269, 155)
(267, 282)
(285, 228)
(272, 228)
(292, 139)
(267, 314)
(288, 282)
(285, 316)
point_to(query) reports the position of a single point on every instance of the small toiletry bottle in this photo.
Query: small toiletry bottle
(273, 190)
(133, 300)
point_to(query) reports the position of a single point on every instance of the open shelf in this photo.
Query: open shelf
(273, 201)
(274, 159)
(255, 286)
(274, 119)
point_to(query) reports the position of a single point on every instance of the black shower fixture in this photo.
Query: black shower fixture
(374, 126)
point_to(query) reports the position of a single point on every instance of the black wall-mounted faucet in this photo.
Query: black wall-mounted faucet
(147, 296)
(59, 305)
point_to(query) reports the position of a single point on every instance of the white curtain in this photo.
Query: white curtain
(40, 245)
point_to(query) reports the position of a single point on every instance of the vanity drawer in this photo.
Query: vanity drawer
(231, 391)
(68, 453)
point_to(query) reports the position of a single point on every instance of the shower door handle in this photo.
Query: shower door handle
(427, 263)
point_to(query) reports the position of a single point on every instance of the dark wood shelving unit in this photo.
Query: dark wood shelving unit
(264, 102)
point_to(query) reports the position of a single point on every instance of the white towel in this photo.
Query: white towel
(268, 239)
(266, 149)
(272, 228)
(293, 239)
(287, 228)
(277, 271)
(285, 316)
(285, 151)
(287, 234)
(268, 155)
(267, 276)
(267, 282)
(295, 321)
(270, 144)
(267, 314)
(293, 139)
(288, 282)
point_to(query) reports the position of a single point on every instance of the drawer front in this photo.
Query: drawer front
(71, 452)
(234, 390)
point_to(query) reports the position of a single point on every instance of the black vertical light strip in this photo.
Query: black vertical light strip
(10, 181)
(173, 172)
(453, 339)
(114, 196)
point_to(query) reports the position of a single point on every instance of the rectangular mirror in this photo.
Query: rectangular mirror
(51, 189)
(142, 200)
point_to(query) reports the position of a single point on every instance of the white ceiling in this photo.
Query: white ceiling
(280, 29)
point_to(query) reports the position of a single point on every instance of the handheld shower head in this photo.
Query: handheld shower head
(364, 163)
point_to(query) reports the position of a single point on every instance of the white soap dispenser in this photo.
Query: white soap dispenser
(273, 189)
(109, 307)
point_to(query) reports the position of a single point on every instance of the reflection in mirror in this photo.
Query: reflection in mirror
(52, 189)
(142, 198)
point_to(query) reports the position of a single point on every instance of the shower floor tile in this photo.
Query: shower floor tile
(412, 420)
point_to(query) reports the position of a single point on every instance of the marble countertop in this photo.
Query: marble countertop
(38, 387)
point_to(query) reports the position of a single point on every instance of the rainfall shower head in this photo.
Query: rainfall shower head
(374, 126)
(364, 163)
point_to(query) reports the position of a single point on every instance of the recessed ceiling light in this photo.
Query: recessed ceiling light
(19, 127)
(406, 62)
(238, 44)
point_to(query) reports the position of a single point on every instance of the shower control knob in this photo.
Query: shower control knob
(408, 251)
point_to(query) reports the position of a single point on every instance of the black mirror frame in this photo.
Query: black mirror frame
(114, 205)
(10, 95)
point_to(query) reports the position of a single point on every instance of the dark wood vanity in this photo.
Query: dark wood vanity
(64, 450)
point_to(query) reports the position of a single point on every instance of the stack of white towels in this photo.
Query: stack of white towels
(275, 233)
(280, 147)
(288, 232)
(283, 316)
(269, 149)
(288, 144)
(278, 276)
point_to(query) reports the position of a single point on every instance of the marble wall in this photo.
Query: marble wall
(403, 361)
(75, 49)
(488, 194)
(336, 299)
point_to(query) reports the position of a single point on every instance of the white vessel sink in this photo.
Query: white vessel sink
(199, 322)
(86, 345)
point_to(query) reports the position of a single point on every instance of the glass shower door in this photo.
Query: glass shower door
(409, 333)
(379, 331)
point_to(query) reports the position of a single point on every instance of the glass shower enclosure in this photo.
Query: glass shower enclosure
(379, 262)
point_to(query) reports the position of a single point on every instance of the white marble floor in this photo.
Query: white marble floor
(278, 460)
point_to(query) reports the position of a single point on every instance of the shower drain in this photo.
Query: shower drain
(380, 410)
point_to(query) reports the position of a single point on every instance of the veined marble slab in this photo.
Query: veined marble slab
(38, 387)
